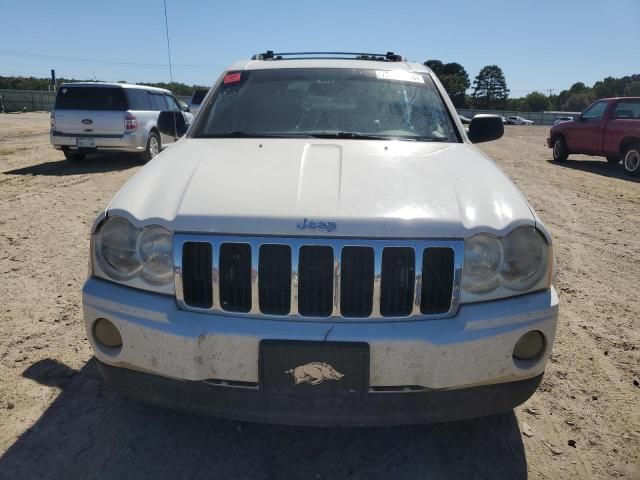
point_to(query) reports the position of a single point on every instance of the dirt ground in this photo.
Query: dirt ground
(57, 421)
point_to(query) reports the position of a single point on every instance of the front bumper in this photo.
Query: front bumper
(372, 409)
(127, 142)
(549, 142)
(197, 350)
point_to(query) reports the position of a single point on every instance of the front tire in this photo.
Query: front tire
(631, 160)
(560, 152)
(74, 157)
(153, 148)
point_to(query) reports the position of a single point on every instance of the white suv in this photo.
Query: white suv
(107, 117)
(325, 245)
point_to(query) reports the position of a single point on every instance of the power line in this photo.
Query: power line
(105, 62)
(166, 26)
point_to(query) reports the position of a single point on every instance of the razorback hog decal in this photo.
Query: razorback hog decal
(314, 373)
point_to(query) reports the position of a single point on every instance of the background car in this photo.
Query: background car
(91, 117)
(515, 120)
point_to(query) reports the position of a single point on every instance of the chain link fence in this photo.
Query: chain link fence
(37, 101)
(27, 100)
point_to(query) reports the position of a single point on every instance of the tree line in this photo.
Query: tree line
(489, 89)
(42, 84)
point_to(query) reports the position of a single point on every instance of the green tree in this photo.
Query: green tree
(632, 89)
(490, 88)
(578, 101)
(578, 87)
(454, 78)
(535, 102)
(609, 87)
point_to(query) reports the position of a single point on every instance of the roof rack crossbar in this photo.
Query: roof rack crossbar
(384, 57)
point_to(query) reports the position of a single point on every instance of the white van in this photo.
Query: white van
(92, 117)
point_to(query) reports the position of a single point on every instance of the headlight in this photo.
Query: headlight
(501, 267)
(525, 259)
(140, 258)
(482, 259)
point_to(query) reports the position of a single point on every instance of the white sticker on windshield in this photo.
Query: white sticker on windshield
(400, 75)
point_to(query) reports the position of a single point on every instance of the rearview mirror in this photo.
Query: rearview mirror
(485, 127)
(184, 107)
(172, 123)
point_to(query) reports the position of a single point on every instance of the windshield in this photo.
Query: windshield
(91, 98)
(327, 103)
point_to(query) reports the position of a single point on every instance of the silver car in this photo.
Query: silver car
(95, 117)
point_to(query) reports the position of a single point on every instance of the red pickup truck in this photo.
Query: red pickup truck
(609, 128)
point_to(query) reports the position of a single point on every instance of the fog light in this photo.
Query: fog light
(106, 333)
(529, 346)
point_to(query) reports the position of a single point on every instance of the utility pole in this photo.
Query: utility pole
(166, 26)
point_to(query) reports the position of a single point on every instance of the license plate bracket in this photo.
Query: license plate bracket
(85, 142)
(313, 368)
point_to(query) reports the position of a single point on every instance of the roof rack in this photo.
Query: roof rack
(380, 57)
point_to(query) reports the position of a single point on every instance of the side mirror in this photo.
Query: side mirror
(172, 123)
(485, 127)
(184, 107)
(581, 118)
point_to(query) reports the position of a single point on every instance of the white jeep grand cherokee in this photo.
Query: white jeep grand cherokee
(324, 246)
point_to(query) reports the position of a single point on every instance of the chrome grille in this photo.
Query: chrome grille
(310, 278)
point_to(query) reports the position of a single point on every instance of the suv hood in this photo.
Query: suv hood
(368, 188)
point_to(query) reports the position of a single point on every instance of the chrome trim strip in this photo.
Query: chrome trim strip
(255, 294)
(295, 261)
(337, 269)
(215, 276)
(417, 286)
(377, 282)
(337, 244)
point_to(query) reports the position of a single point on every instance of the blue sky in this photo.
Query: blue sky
(540, 45)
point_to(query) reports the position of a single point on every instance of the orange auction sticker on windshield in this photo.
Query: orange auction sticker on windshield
(232, 78)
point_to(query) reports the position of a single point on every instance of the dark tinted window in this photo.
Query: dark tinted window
(328, 102)
(628, 109)
(91, 98)
(159, 101)
(172, 103)
(198, 96)
(138, 99)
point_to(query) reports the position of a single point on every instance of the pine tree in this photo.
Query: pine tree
(490, 88)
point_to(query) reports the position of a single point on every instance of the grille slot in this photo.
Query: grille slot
(196, 274)
(315, 284)
(397, 282)
(235, 277)
(437, 280)
(274, 279)
(356, 282)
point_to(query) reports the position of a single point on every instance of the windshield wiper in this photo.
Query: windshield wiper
(351, 135)
(243, 134)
